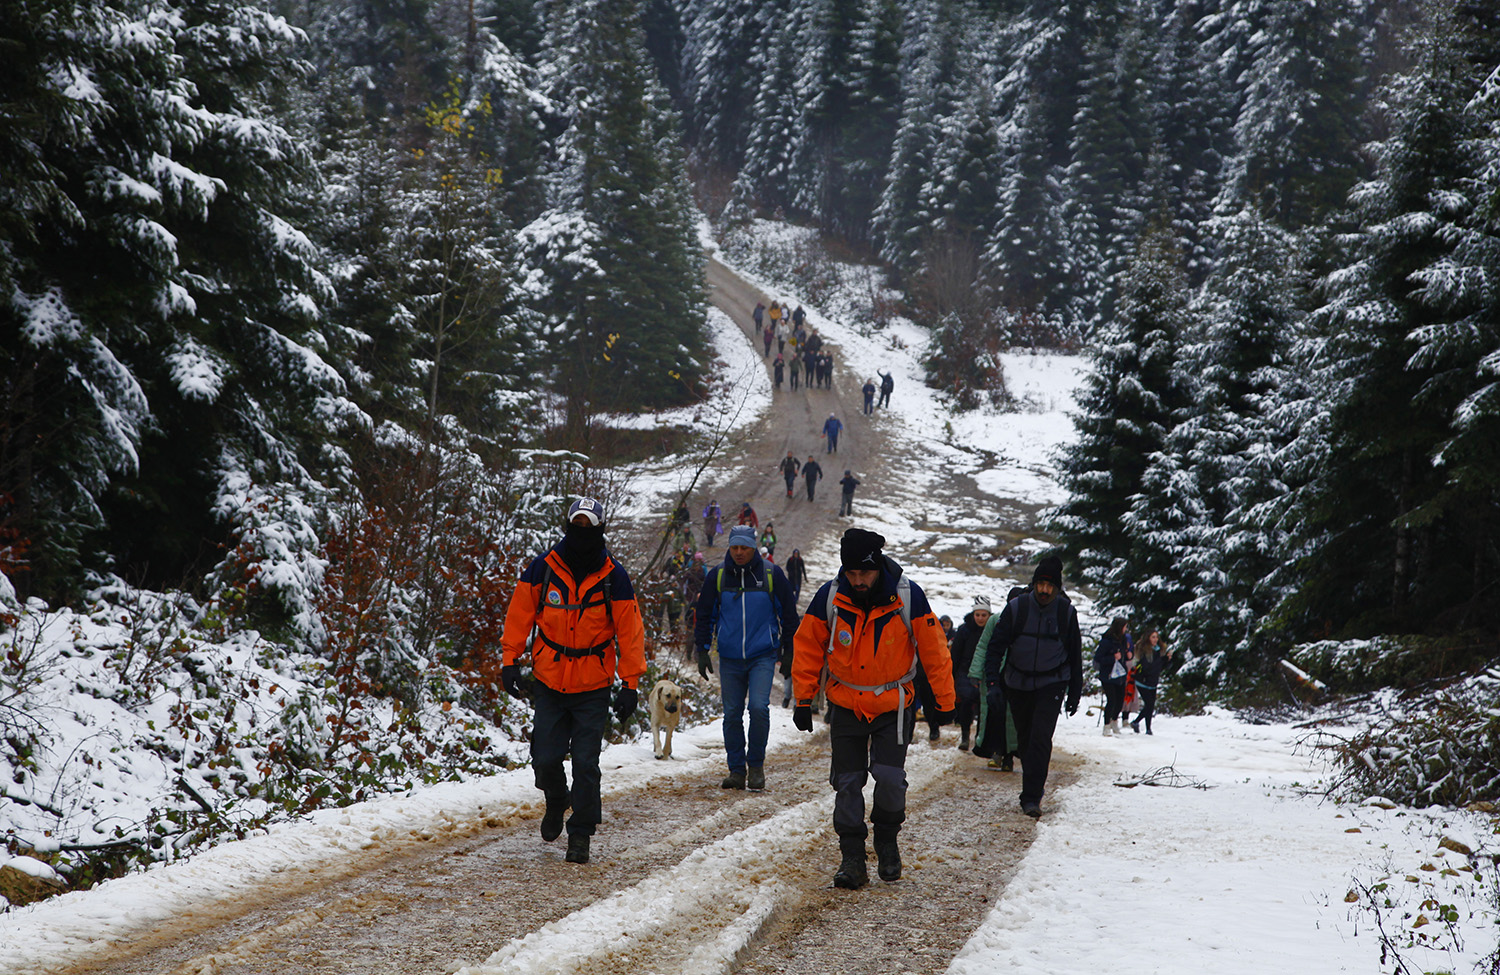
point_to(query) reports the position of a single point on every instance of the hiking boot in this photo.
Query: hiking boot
(757, 778)
(1031, 808)
(1135, 726)
(552, 819)
(963, 741)
(888, 859)
(1008, 763)
(578, 848)
(933, 735)
(852, 873)
(734, 780)
(993, 763)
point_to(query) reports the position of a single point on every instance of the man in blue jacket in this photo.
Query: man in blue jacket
(747, 602)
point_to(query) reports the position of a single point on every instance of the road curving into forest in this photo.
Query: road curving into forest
(488, 896)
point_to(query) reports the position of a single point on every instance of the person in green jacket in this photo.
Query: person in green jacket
(995, 738)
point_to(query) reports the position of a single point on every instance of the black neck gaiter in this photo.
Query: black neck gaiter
(583, 549)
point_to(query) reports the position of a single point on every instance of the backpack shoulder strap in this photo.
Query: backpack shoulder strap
(903, 590)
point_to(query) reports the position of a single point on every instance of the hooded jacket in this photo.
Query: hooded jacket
(749, 606)
(870, 647)
(580, 642)
(1046, 649)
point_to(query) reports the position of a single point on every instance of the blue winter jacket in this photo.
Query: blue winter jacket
(750, 617)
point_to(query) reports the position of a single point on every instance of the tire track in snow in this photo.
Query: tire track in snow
(699, 915)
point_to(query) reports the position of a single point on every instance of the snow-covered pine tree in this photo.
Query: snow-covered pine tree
(1194, 113)
(724, 64)
(174, 280)
(1376, 546)
(1458, 351)
(617, 258)
(866, 130)
(1027, 250)
(931, 51)
(1110, 142)
(765, 178)
(1244, 319)
(1305, 82)
(1127, 408)
(71, 414)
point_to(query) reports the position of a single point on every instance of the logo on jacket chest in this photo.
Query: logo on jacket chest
(845, 637)
(554, 597)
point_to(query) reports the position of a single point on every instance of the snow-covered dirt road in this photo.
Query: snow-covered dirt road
(685, 877)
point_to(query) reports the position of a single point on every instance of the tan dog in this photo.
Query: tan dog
(664, 702)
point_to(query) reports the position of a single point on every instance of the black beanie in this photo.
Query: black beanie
(860, 549)
(1050, 569)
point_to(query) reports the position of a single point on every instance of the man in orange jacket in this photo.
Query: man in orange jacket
(582, 606)
(882, 631)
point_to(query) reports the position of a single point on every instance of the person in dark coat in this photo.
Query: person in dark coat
(1150, 659)
(965, 639)
(1038, 641)
(1112, 660)
(789, 467)
(811, 472)
(779, 369)
(869, 390)
(796, 573)
(887, 384)
(846, 501)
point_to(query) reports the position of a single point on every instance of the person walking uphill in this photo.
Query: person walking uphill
(872, 627)
(887, 385)
(1036, 650)
(747, 603)
(811, 472)
(846, 500)
(1150, 658)
(789, 467)
(1112, 660)
(965, 639)
(713, 521)
(831, 428)
(588, 626)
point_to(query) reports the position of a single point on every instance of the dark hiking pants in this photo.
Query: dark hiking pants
(563, 724)
(862, 750)
(1035, 713)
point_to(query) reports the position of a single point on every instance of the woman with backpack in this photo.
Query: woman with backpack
(1112, 659)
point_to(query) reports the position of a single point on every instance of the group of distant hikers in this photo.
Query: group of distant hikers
(807, 362)
(868, 651)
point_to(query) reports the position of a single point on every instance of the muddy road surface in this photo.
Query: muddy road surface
(684, 876)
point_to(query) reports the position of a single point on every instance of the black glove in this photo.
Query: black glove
(625, 702)
(510, 679)
(786, 663)
(705, 665)
(802, 717)
(1072, 706)
(945, 717)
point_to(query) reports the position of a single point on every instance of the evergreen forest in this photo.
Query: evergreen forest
(308, 307)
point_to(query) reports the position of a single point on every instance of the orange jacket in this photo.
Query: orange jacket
(580, 643)
(870, 648)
